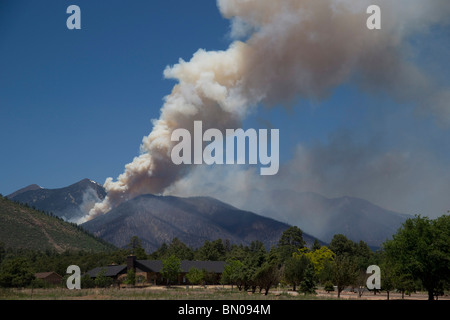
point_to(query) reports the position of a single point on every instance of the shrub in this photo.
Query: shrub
(329, 286)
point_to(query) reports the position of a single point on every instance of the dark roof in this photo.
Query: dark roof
(156, 266)
(43, 275)
(110, 271)
(149, 265)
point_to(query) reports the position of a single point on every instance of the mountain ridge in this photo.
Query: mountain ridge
(158, 219)
(31, 187)
(69, 203)
(318, 216)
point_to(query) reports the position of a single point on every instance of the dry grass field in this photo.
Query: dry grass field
(191, 293)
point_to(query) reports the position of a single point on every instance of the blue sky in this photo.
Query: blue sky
(63, 91)
(75, 104)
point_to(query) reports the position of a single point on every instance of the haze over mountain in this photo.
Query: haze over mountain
(158, 219)
(357, 219)
(69, 203)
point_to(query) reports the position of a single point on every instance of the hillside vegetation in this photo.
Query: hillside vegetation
(22, 227)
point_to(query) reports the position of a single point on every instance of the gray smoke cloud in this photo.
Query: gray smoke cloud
(403, 180)
(284, 50)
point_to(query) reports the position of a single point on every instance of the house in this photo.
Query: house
(150, 270)
(111, 271)
(49, 277)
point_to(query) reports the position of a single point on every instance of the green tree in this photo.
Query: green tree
(208, 277)
(232, 273)
(236, 252)
(421, 248)
(344, 272)
(290, 241)
(195, 276)
(211, 251)
(316, 245)
(131, 277)
(294, 270)
(135, 248)
(255, 258)
(102, 281)
(161, 252)
(341, 245)
(241, 268)
(171, 269)
(16, 272)
(326, 274)
(328, 287)
(308, 284)
(2, 252)
(319, 258)
(87, 282)
(404, 283)
(361, 281)
(388, 276)
(266, 276)
(180, 250)
(364, 255)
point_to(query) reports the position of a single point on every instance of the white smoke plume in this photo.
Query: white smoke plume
(288, 49)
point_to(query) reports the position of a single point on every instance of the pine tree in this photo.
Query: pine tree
(308, 285)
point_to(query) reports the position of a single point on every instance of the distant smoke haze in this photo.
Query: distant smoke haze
(291, 49)
(411, 182)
